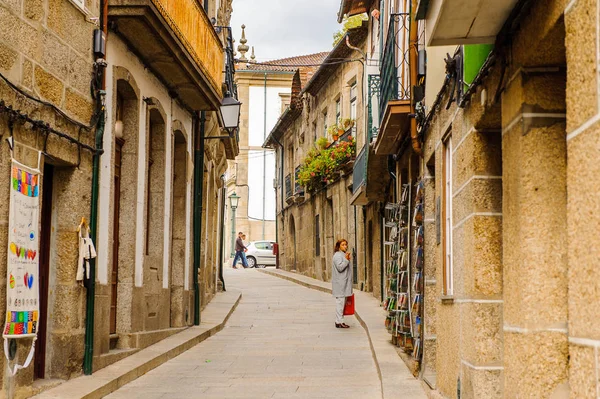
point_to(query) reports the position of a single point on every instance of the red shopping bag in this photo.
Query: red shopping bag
(349, 306)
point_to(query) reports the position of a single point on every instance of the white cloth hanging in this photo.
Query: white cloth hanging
(87, 251)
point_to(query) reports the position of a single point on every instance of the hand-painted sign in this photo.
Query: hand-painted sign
(22, 293)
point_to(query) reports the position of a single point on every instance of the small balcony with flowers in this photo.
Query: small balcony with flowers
(330, 160)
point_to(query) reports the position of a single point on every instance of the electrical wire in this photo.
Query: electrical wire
(54, 108)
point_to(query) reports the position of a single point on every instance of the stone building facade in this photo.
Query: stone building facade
(251, 175)
(309, 223)
(507, 150)
(159, 119)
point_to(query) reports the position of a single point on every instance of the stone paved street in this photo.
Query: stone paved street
(279, 343)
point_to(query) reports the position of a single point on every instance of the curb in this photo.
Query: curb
(109, 379)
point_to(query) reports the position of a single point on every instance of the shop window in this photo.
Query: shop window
(448, 288)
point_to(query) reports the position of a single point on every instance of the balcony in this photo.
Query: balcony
(177, 42)
(289, 191)
(369, 178)
(232, 148)
(450, 22)
(394, 86)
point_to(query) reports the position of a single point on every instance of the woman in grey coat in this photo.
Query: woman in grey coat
(341, 279)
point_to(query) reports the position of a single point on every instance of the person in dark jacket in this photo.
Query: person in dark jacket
(239, 252)
(341, 280)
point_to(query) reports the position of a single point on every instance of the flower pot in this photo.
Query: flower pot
(335, 137)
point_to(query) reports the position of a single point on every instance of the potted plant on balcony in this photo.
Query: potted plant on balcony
(322, 143)
(347, 124)
(334, 131)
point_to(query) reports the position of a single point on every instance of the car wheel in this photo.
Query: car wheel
(251, 261)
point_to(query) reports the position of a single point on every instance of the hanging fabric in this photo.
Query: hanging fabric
(87, 251)
(22, 289)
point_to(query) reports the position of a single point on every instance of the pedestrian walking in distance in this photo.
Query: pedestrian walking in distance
(341, 279)
(239, 252)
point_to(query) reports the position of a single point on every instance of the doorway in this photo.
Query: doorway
(39, 366)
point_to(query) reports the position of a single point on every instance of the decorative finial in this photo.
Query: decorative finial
(233, 45)
(242, 48)
(253, 57)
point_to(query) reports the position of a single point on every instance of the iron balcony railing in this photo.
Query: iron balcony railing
(288, 186)
(395, 74)
(359, 172)
(373, 128)
(298, 189)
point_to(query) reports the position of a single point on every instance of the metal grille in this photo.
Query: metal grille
(395, 76)
(373, 128)
(297, 187)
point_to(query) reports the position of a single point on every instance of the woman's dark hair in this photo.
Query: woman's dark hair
(338, 243)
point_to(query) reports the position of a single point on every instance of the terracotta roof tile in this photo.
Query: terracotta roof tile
(282, 64)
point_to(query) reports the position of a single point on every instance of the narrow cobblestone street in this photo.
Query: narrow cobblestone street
(279, 343)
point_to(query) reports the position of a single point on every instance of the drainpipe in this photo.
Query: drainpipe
(264, 161)
(88, 354)
(222, 240)
(198, 184)
(413, 59)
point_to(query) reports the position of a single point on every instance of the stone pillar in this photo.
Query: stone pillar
(534, 233)
(583, 207)
(477, 258)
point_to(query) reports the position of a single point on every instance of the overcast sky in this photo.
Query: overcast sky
(285, 28)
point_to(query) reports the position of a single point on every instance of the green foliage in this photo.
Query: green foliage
(322, 143)
(348, 23)
(322, 166)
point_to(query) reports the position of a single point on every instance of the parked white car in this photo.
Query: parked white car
(260, 254)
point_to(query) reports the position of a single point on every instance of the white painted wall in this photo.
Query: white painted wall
(150, 86)
(258, 174)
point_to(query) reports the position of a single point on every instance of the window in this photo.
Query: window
(447, 217)
(325, 124)
(338, 111)
(261, 245)
(317, 237)
(353, 101)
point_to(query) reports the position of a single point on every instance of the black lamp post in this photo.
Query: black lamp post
(234, 200)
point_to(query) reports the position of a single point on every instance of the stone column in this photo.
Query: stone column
(477, 215)
(534, 233)
(583, 207)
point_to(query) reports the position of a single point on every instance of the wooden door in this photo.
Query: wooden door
(115, 264)
(39, 366)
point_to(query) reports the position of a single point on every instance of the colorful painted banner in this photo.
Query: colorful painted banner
(22, 292)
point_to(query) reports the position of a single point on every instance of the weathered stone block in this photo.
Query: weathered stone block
(61, 15)
(101, 324)
(477, 384)
(448, 348)
(54, 55)
(68, 308)
(487, 256)
(67, 256)
(583, 371)
(582, 74)
(48, 86)
(583, 179)
(481, 337)
(27, 74)
(79, 106)
(66, 356)
(8, 58)
(535, 364)
(34, 9)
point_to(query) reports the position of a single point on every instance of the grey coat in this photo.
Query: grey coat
(341, 275)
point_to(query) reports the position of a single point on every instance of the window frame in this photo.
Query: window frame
(448, 269)
(338, 110)
(353, 97)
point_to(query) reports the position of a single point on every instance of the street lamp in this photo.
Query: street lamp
(234, 200)
(230, 113)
